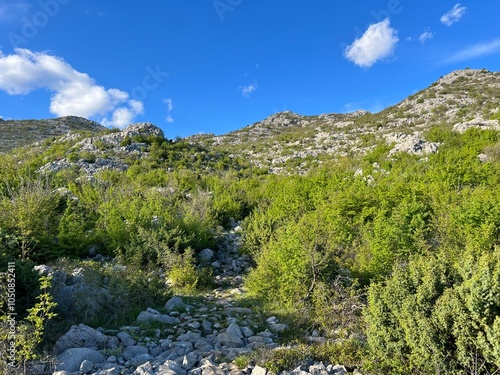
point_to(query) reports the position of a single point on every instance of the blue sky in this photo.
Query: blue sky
(219, 65)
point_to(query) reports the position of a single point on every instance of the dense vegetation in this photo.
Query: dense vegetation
(405, 253)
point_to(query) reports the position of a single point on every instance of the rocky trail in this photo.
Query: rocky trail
(195, 336)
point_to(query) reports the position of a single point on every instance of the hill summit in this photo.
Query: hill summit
(17, 133)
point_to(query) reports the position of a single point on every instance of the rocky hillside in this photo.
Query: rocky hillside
(288, 141)
(179, 257)
(17, 133)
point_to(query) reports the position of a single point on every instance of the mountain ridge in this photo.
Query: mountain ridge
(291, 142)
(18, 133)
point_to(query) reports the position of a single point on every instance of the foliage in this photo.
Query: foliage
(182, 274)
(112, 294)
(29, 212)
(434, 315)
(29, 332)
(421, 234)
(348, 352)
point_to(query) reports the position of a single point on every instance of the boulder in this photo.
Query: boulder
(175, 303)
(337, 370)
(272, 320)
(145, 369)
(86, 366)
(125, 338)
(72, 358)
(151, 315)
(189, 336)
(142, 358)
(206, 255)
(134, 351)
(173, 366)
(232, 337)
(81, 336)
(257, 370)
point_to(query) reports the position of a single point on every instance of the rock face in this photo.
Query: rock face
(108, 151)
(72, 293)
(411, 144)
(114, 140)
(477, 123)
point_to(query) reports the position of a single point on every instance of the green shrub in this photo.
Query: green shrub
(29, 213)
(434, 315)
(348, 352)
(183, 276)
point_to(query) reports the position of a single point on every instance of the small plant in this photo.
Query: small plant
(495, 116)
(29, 332)
(182, 274)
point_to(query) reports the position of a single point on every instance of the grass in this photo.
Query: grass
(351, 353)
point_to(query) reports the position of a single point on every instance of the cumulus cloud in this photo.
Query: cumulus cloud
(425, 36)
(170, 106)
(377, 43)
(247, 90)
(124, 116)
(74, 93)
(475, 51)
(453, 15)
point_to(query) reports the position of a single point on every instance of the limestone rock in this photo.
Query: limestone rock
(175, 303)
(478, 123)
(86, 366)
(72, 358)
(257, 370)
(134, 351)
(151, 315)
(206, 255)
(81, 336)
(145, 369)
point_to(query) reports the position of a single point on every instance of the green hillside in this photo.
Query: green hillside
(375, 237)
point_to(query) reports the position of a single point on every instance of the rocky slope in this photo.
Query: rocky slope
(204, 336)
(105, 152)
(188, 338)
(289, 142)
(18, 133)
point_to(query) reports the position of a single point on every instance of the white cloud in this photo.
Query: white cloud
(124, 116)
(453, 15)
(170, 106)
(425, 36)
(247, 90)
(169, 102)
(475, 51)
(377, 43)
(74, 93)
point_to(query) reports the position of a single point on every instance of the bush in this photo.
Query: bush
(30, 214)
(434, 315)
(348, 352)
(183, 276)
